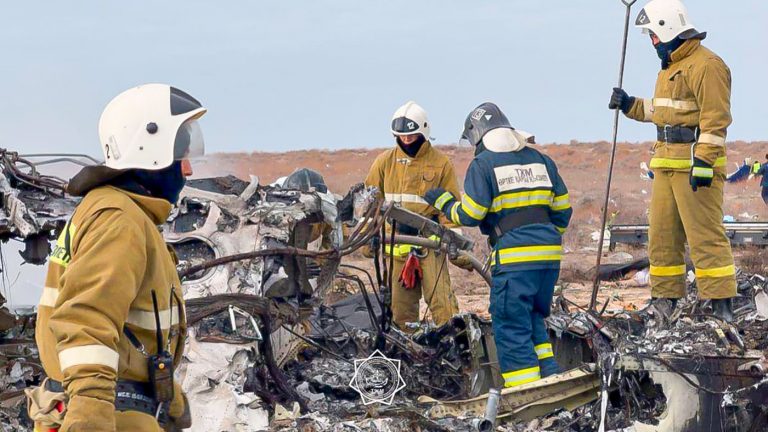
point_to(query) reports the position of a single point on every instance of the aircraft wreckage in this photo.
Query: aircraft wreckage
(269, 349)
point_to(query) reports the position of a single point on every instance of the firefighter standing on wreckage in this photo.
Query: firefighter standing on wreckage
(516, 196)
(403, 174)
(691, 109)
(112, 279)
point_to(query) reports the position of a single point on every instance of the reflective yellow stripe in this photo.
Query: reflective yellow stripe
(712, 139)
(561, 230)
(681, 163)
(561, 202)
(455, 214)
(444, 198)
(49, 297)
(88, 355)
(647, 110)
(544, 351)
(729, 270)
(522, 199)
(675, 104)
(146, 319)
(677, 270)
(522, 376)
(400, 250)
(473, 209)
(62, 254)
(530, 253)
(703, 172)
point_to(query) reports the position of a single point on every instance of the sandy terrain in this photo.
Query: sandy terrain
(584, 169)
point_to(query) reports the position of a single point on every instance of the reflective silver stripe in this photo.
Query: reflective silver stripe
(647, 110)
(404, 198)
(146, 319)
(49, 297)
(88, 355)
(523, 377)
(675, 104)
(530, 254)
(444, 198)
(501, 203)
(711, 139)
(544, 349)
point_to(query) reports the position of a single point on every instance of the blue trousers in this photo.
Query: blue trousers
(764, 194)
(520, 300)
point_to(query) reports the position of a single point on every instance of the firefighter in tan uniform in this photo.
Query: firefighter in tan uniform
(691, 110)
(403, 174)
(111, 276)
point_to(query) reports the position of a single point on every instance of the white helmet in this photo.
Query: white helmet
(410, 119)
(149, 126)
(667, 19)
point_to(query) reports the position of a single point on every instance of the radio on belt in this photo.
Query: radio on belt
(160, 365)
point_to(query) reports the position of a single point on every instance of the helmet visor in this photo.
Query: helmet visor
(404, 126)
(189, 143)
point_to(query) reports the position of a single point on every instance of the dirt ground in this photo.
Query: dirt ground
(583, 166)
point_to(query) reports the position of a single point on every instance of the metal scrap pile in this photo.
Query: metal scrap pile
(663, 364)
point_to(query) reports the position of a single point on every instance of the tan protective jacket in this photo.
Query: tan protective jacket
(106, 262)
(405, 180)
(694, 91)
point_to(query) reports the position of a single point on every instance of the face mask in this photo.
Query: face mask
(166, 183)
(665, 50)
(413, 148)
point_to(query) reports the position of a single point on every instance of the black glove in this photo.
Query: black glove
(620, 99)
(701, 174)
(438, 198)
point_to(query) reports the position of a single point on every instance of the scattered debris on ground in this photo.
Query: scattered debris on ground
(269, 350)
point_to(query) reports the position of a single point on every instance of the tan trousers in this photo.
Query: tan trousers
(437, 292)
(679, 214)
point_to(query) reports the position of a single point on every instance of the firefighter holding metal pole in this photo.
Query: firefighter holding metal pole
(516, 196)
(691, 110)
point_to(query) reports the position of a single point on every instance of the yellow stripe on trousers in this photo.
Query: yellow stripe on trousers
(677, 270)
(544, 351)
(522, 376)
(728, 270)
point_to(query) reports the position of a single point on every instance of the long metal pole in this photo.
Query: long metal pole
(596, 286)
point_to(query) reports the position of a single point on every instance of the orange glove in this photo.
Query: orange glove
(412, 273)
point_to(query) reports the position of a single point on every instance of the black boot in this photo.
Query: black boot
(723, 309)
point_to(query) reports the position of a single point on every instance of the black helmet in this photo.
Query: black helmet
(483, 119)
(303, 179)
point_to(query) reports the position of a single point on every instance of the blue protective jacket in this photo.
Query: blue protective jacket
(762, 172)
(498, 184)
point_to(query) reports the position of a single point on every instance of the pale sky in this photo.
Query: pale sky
(307, 74)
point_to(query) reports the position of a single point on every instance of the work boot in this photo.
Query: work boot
(549, 367)
(723, 309)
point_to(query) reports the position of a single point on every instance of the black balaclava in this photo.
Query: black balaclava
(665, 50)
(166, 183)
(413, 149)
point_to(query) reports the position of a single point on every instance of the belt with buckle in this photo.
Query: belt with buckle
(677, 134)
(129, 396)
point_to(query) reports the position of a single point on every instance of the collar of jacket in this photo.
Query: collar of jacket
(157, 209)
(686, 49)
(425, 148)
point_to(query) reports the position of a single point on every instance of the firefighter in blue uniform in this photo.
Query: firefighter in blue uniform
(516, 196)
